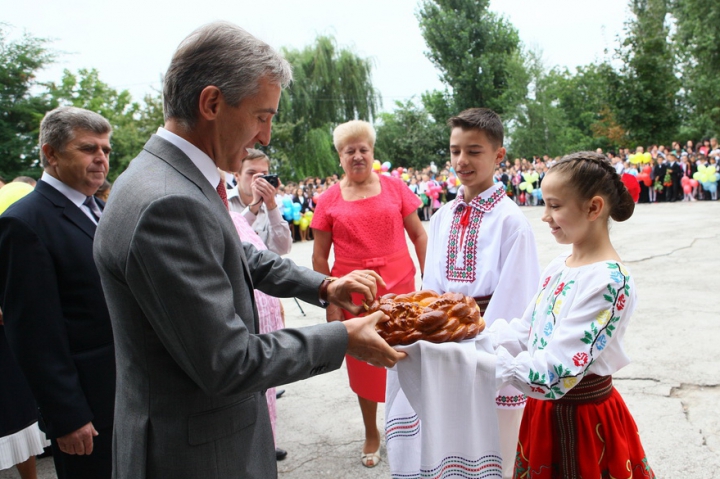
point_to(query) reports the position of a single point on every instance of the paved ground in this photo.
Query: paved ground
(672, 387)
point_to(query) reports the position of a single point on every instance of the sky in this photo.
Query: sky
(130, 42)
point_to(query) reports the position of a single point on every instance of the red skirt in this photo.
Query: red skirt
(398, 272)
(588, 434)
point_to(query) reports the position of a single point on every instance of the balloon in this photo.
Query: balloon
(631, 183)
(12, 192)
(308, 215)
(297, 207)
(538, 194)
(386, 165)
(384, 168)
(400, 169)
(646, 157)
(376, 165)
(296, 216)
(296, 222)
(530, 188)
(633, 159)
(647, 170)
(687, 189)
(304, 223)
(522, 197)
(405, 177)
(395, 173)
(685, 180)
(523, 186)
(694, 183)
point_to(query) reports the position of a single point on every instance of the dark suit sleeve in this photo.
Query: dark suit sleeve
(176, 269)
(35, 328)
(280, 277)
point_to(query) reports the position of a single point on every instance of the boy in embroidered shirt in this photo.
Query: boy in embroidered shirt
(482, 245)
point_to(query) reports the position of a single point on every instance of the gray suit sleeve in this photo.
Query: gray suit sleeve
(177, 269)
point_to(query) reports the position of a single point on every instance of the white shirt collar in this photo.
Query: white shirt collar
(199, 158)
(72, 194)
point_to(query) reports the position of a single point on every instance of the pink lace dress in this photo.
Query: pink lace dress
(269, 308)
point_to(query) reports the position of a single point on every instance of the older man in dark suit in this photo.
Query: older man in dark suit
(56, 320)
(192, 367)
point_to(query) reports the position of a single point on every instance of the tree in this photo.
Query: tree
(477, 52)
(647, 88)
(698, 39)
(20, 110)
(565, 111)
(330, 86)
(408, 137)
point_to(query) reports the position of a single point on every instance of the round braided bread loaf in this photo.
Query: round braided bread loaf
(427, 315)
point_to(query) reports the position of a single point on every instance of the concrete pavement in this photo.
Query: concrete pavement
(672, 387)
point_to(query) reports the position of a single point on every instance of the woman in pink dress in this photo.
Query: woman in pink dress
(365, 217)
(270, 312)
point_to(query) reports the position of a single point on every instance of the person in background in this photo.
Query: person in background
(104, 191)
(364, 218)
(20, 437)
(255, 200)
(56, 320)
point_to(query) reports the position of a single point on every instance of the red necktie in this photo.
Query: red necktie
(223, 194)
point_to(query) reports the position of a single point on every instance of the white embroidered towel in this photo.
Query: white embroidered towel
(441, 418)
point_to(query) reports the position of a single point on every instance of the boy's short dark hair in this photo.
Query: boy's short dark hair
(483, 119)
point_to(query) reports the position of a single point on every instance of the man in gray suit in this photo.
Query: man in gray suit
(191, 368)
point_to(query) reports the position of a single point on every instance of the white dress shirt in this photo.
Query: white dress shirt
(204, 163)
(75, 197)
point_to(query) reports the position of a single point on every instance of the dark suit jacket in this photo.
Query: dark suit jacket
(56, 320)
(191, 365)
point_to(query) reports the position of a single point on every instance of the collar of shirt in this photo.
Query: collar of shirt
(201, 160)
(71, 194)
(482, 202)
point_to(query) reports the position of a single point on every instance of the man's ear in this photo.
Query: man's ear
(595, 207)
(50, 153)
(209, 102)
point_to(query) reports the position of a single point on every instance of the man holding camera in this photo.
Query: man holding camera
(255, 200)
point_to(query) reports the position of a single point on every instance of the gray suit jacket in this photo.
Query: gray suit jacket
(191, 367)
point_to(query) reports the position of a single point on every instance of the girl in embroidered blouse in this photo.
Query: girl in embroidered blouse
(568, 343)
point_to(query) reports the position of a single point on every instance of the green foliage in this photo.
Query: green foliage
(21, 111)
(647, 89)
(330, 86)
(565, 112)
(477, 53)
(408, 137)
(698, 41)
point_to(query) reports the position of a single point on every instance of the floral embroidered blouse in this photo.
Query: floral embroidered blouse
(575, 326)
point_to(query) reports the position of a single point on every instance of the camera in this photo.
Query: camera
(272, 179)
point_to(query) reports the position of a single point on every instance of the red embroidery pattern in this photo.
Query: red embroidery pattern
(464, 230)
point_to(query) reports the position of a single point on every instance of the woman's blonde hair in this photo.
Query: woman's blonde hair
(353, 130)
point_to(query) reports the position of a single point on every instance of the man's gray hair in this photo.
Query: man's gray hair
(57, 128)
(223, 55)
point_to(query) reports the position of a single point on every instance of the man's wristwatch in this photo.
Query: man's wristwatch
(322, 293)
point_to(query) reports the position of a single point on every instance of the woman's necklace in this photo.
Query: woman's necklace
(350, 189)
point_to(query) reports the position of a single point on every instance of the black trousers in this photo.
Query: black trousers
(97, 465)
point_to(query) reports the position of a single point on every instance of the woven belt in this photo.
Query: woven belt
(482, 302)
(591, 389)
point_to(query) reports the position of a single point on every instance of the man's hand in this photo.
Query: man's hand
(361, 281)
(262, 189)
(78, 442)
(365, 344)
